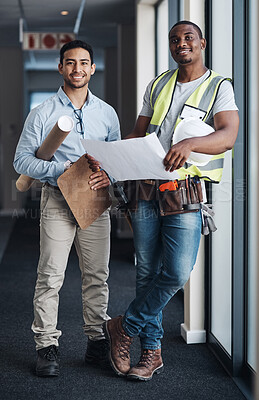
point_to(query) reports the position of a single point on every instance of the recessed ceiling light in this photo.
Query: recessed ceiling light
(64, 12)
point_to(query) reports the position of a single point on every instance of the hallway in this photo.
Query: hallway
(191, 371)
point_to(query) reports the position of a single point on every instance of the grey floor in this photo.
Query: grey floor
(191, 371)
(6, 226)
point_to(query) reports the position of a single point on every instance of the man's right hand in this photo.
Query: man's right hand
(177, 155)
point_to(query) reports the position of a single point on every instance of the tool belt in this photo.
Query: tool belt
(178, 197)
(174, 197)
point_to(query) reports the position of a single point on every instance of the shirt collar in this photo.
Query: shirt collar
(63, 97)
(66, 100)
(89, 100)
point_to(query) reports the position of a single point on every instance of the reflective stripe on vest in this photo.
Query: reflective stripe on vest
(203, 97)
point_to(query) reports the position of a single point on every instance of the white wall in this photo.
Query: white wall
(162, 37)
(145, 49)
(193, 328)
(193, 10)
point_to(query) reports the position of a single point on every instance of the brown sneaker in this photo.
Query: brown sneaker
(119, 345)
(150, 363)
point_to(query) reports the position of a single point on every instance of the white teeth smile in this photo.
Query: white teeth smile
(184, 51)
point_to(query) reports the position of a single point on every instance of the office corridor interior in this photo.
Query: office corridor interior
(210, 345)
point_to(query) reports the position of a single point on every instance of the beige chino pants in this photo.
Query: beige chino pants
(58, 231)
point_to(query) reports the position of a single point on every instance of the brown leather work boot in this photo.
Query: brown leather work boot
(150, 363)
(119, 346)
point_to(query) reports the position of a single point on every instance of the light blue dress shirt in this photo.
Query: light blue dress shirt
(100, 123)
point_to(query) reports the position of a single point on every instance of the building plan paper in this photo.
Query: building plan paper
(131, 159)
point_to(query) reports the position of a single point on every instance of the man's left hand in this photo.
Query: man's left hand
(99, 180)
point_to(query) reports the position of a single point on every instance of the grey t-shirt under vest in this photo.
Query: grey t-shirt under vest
(225, 101)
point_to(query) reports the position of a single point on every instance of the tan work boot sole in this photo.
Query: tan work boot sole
(135, 377)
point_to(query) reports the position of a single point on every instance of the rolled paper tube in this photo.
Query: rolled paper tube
(57, 135)
(54, 139)
(24, 183)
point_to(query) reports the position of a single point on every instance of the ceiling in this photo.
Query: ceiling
(95, 21)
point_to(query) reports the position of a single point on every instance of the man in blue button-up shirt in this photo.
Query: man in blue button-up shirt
(94, 119)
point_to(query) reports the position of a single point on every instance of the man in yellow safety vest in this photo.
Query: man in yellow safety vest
(166, 245)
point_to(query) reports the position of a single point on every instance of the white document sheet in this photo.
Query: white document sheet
(131, 159)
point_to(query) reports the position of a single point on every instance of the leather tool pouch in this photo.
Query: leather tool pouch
(147, 190)
(126, 193)
(129, 192)
(184, 199)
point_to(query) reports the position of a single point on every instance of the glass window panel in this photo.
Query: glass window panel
(252, 177)
(221, 195)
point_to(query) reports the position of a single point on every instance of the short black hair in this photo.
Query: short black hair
(198, 29)
(74, 44)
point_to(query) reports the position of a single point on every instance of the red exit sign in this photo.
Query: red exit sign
(45, 41)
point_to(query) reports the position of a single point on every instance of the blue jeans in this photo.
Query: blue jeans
(166, 249)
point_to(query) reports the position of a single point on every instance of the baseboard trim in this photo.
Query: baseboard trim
(193, 336)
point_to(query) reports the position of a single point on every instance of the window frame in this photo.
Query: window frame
(235, 364)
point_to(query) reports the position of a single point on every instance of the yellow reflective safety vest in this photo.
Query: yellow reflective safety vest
(202, 98)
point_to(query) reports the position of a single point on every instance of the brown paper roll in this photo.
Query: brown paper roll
(57, 135)
(24, 183)
(54, 139)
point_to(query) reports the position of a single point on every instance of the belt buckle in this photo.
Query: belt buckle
(150, 181)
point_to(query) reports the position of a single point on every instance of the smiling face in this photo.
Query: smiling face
(186, 45)
(76, 68)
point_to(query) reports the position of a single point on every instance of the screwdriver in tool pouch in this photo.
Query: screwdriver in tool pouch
(187, 186)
